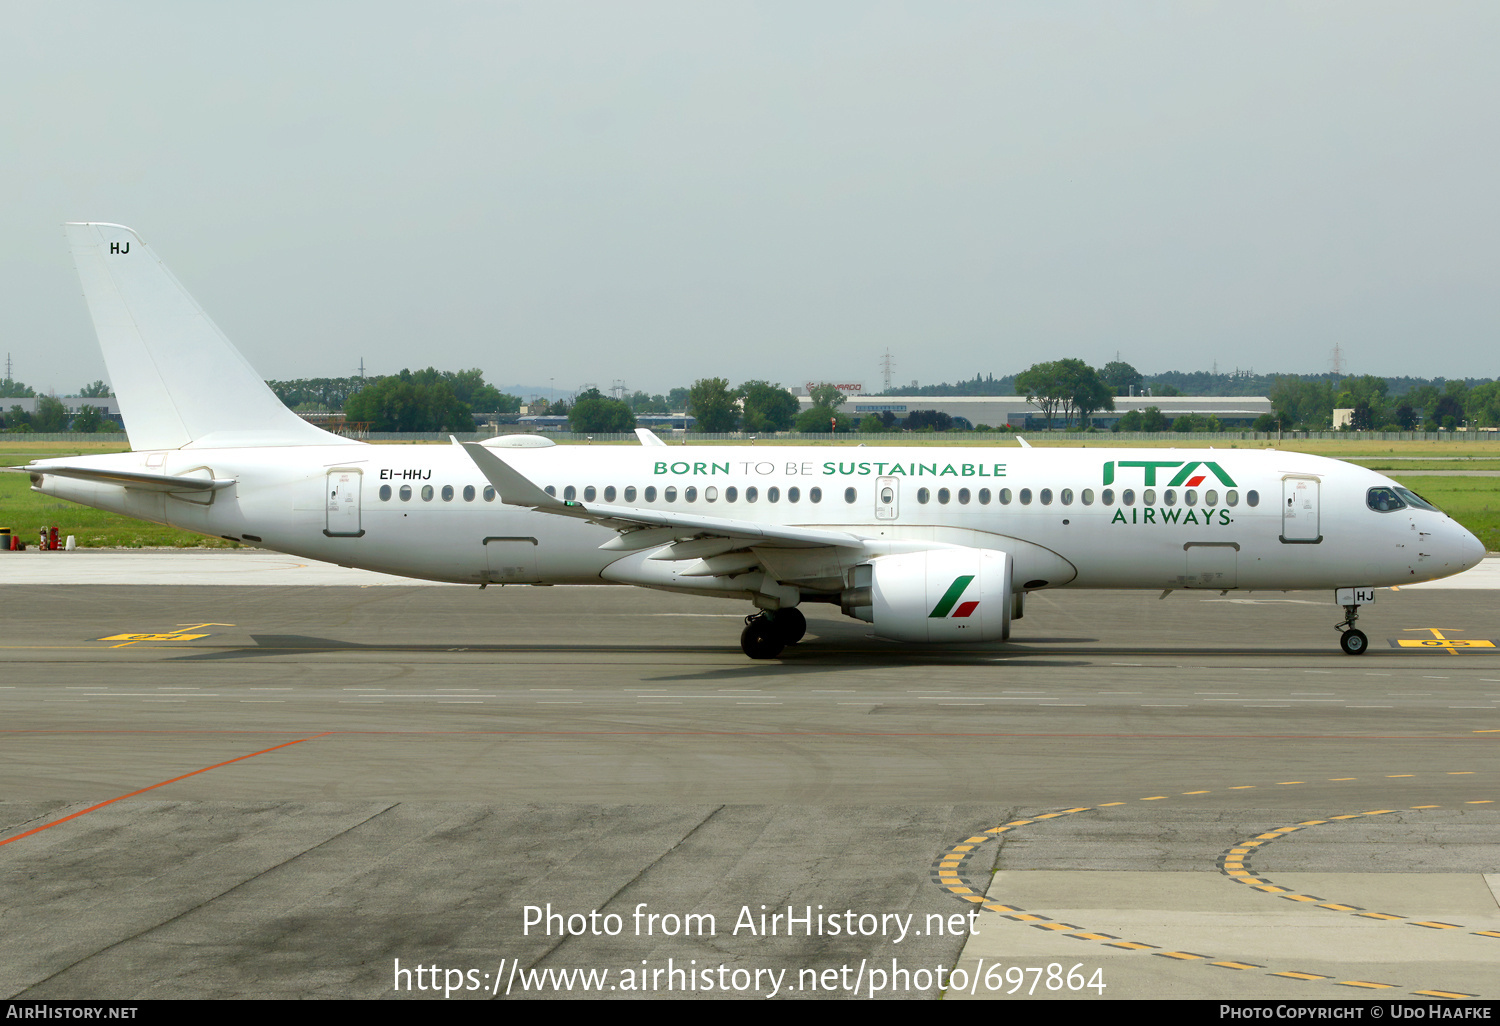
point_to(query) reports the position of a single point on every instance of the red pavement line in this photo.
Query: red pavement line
(164, 783)
(1468, 736)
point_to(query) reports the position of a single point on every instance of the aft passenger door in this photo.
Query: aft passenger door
(1299, 511)
(342, 504)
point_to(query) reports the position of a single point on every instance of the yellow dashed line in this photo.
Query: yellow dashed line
(1230, 867)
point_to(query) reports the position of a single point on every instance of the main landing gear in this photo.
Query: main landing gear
(767, 632)
(1351, 640)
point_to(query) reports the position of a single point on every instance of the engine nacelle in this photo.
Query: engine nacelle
(939, 595)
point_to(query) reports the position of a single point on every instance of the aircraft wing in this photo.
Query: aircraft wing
(131, 479)
(518, 490)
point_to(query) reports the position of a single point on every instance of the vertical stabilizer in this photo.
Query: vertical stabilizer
(180, 382)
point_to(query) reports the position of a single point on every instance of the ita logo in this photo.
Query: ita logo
(949, 602)
(1188, 475)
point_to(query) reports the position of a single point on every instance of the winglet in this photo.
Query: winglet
(1024, 444)
(514, 488)
(649, 437)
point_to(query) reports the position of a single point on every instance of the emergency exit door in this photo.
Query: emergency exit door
(887, 498)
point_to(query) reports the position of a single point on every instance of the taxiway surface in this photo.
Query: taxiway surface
(353, 775)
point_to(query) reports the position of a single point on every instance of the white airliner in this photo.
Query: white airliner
(931, 545)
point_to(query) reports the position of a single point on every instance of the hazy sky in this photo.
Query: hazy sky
(658, 192)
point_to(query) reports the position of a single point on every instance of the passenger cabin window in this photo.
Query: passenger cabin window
(1107, 497)
(1088, 496)
(690, 493)
(944, 495)
(815, 494)
(1127, 497)
(773, 494)
(385, 493)
(589, 493)
(1005, 496)
(489, 493)
(405, 493)
(752, 493)
(1026, 496)
(1148, 497)
(924, 495)
(609, 493)
(651, 493)
(711, 493)
(468, 493)
(570, 493)
(793, 494)
(731, 494)
(851, 495)
(447, 493)
(669, 493)
(630, 493)
(984, 496)
(427, 493)
(1252, 498)
(963, 496)
(1067, 496)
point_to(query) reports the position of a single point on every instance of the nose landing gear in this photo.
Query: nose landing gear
(1351, 640)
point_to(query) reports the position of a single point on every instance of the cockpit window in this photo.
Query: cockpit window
(1384, 500)
(1413, 499)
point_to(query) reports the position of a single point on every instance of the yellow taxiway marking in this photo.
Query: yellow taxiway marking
(180, 634)
(1449, 645)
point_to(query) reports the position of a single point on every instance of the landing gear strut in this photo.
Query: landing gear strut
(1351, 640)
(767, 632)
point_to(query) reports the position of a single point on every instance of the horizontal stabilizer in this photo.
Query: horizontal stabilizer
(132, 479)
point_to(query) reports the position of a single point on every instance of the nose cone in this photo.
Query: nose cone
(1470, 549)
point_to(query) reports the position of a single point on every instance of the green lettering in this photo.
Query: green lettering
(1149, 466)
(1119, 517)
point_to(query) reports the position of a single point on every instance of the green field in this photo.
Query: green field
(1472, 501)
